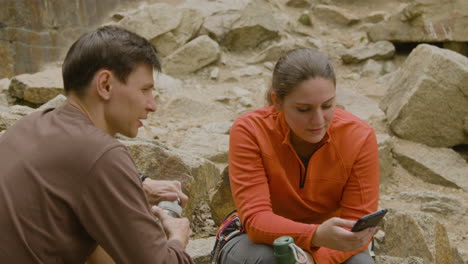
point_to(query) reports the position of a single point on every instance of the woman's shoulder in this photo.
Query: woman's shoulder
(266, 114)
(343, 118)
(349, 126)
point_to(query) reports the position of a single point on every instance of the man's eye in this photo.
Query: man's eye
(327, 106)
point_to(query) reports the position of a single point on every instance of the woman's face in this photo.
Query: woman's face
(309, 109)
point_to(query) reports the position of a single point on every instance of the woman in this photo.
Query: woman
(302, 168)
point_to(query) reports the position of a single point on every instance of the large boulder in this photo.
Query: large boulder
(192, 56)
(414, 234)
(441, 166)
(427, 101)
(254, 25)
(424, 21)
(157, 161)
(37, 88)
(151, 21)
(189, 26)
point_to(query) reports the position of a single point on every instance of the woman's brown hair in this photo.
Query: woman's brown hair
(296, 66)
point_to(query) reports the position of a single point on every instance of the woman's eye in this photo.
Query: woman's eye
(327, 106)
(303, 110)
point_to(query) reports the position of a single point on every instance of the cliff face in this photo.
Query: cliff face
(35, 32)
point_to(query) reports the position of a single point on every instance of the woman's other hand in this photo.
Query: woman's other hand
(332, 234)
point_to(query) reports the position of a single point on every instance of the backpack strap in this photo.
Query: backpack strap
(229, 228)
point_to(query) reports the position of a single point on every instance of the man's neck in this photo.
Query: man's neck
(91, 110)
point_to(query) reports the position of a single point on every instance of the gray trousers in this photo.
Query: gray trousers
(240, 250)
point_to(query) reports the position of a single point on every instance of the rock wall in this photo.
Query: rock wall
(33, 33)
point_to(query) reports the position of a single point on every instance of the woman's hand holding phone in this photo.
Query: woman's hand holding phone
(332, 233)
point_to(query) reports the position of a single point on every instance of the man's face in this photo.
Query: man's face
(130, 102)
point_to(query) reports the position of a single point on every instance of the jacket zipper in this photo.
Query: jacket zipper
(303, 176)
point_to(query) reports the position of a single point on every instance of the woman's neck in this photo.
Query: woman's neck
(303, 148)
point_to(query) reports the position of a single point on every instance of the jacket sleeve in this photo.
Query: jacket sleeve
(360, 196)
(115, 213)
(249, 185)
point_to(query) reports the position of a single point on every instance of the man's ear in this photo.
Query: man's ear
(103, 84)
(276, 101)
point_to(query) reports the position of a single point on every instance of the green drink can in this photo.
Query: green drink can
(283, 251)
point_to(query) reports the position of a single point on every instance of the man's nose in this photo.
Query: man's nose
(151, 106)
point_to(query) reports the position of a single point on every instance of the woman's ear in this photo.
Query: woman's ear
(103, 84)
(276, 101)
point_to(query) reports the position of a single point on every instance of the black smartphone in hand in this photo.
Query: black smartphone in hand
(369, 220)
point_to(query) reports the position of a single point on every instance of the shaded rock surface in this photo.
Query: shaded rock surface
(435, 165)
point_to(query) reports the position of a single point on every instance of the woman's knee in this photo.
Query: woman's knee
(360, 258)
(241, 250)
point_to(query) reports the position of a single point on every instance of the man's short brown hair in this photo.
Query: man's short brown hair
(110, 47)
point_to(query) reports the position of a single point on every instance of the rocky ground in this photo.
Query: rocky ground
(217, 61)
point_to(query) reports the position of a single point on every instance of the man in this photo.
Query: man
(66, 184)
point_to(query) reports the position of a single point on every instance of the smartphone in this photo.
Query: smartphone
(369, 220)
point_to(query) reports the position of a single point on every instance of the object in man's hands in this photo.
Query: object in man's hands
(369, 220)
(172, 208)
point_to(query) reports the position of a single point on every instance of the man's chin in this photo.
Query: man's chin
(129, 134)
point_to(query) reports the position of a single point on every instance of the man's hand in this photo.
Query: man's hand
(175, 228)
(331, 234)
(157, 191)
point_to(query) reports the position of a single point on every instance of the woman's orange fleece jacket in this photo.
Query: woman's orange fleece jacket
(276, 196)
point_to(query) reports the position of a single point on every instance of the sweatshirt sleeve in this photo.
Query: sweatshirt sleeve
(360, 196)
(115, 212)
(249, 185)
